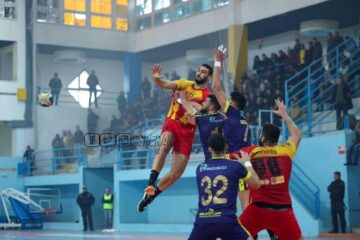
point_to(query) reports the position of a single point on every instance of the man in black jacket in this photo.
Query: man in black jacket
(92, 82)
(341, 98)
(85, 200)
(337, 190)
(55, 86)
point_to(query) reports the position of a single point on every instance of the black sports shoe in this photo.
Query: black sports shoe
(144, 202)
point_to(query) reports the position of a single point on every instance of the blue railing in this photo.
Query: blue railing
(305, 190)
(309, 92)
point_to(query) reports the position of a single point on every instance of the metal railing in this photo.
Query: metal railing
(308, 94)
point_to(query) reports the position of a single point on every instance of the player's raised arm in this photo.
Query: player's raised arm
(157, 78)
(219, 57)
(253, 181)
(295, 133)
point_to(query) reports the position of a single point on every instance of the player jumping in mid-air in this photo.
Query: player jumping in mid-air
(218, 181)
(270, 207)
(177, 132)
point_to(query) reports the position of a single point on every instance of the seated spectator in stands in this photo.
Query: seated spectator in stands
(146, 88)
(353, 153)
(57, 144)
(78, 137)
(29, 159)
(121, 101)
(55, 86)
(341, 98)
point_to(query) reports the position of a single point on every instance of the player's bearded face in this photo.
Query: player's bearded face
(201, 79)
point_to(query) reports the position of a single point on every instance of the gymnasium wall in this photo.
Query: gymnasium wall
(47, 124)
(318, 157)
(14, 31)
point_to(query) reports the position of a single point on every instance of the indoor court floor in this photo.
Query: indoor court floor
(61, 235)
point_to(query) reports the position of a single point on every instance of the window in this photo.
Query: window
(101, 6)
(48, 11)
(160, 4)
(221, 3)
(121, 15)
(75, 5)
(7, 66)
(143, 7)
(7, 9)
(101, 22)
(75, 19)
(162, 17)
(143, 23)
(77, 89)
(202, 5)
(75, 12)
(182, 10)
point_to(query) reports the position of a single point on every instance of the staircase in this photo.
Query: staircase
(309, 91)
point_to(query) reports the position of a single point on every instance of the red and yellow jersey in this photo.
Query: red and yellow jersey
(273, 166)
(177, 112)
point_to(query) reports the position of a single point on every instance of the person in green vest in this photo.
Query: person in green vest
(108, 207)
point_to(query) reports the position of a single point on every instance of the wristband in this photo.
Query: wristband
(179, 100)
(217, 64)
(247, 164)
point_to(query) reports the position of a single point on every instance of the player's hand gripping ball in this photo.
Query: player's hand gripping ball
(45, 99)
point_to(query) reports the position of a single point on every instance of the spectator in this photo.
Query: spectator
(302, 55)
(92, 82)
(338, 40)
(68, 143)
(318, 50)
(337, 191)
(108, 200)
(330, 46)
(146, 88)
(29, 159)
(114, 124)
(55, 86)
(57, 144)
(353, 153)
(343, 69)
(309, 54)
(257, 63)
(78, 136)
(350, 46)
(121, 101)
(295, 111)
(92, 120)
(85, 200)
(341, 98)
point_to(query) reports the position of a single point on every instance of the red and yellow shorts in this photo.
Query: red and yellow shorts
(282, 222)
(183, 136)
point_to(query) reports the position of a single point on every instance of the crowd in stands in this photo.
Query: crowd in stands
(266, 81)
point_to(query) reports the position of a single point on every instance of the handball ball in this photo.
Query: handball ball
(45, 99)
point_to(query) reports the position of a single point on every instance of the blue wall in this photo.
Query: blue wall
(8, 173)
(319, 158)
(97, 179)
(353, 181)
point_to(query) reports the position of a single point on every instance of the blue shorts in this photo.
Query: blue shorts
(212, 231)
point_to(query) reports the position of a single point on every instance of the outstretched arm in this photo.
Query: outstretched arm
(253, 181)
(295, 134)
(157, 78)
(219, 57)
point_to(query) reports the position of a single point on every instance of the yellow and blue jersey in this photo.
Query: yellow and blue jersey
(236, 129)
(218, 184)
